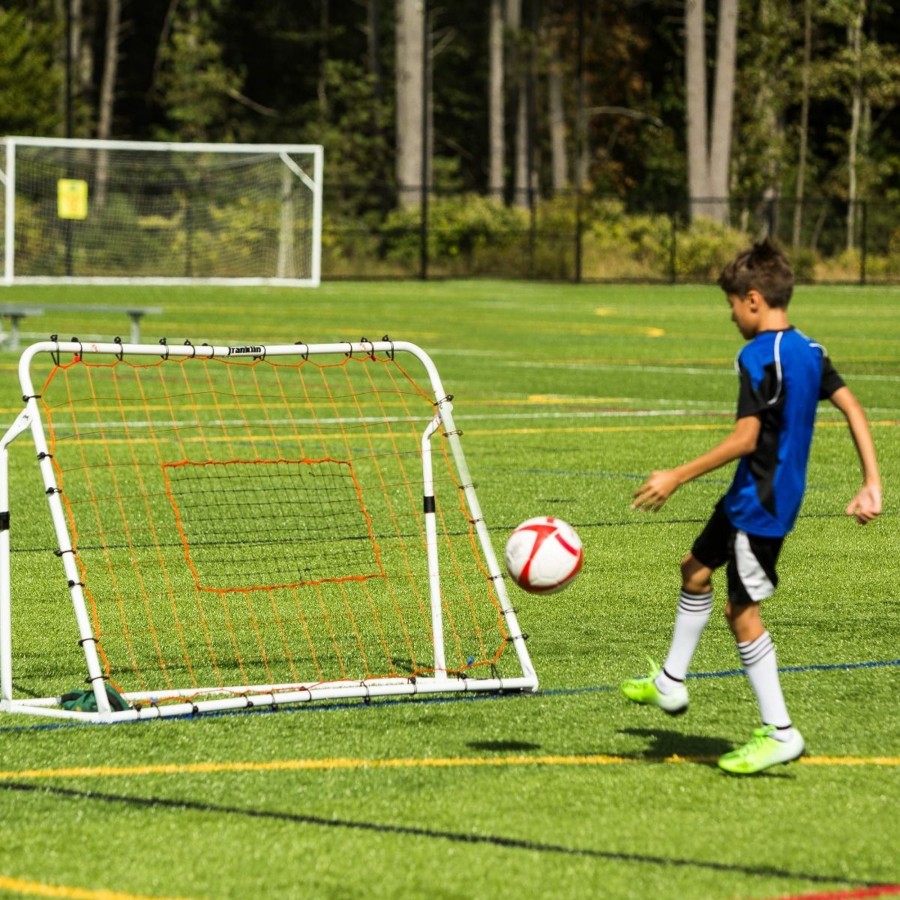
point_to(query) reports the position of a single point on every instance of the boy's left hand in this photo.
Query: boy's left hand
(866, 505)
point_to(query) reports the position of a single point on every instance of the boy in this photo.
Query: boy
(783, 374)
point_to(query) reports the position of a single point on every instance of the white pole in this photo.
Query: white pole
(63, 538)
(23, 420)
(445, 410)
(10, 222)
(431, 546)
(316, 274)
(5, 606)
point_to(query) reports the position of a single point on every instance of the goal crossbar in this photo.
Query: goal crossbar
(269, 525)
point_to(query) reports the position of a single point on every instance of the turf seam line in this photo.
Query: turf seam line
(500, 841)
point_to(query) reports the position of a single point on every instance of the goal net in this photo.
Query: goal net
(117, 212)
(246, 526)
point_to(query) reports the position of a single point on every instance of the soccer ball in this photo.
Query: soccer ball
(543, 555)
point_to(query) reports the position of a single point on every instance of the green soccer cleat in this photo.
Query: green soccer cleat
(761, 752)
(644, 690)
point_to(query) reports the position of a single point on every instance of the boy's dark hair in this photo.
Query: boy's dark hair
(762, 268)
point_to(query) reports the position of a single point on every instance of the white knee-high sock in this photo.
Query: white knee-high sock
(761, 667)
(693, 613)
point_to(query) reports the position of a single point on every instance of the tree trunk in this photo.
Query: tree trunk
(558, 158)
(695, 91)
(520, 149)
(410, 111)
(854, 39)
(723, 110)
(161, 43)
(709, 161)
(497, 121)
(582, 163)
(107, 97)
(60, 55)
(110, 69)
(800, 190)
(77, 69)
(321, 89)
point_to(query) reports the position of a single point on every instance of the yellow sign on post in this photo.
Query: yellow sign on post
(72, 198)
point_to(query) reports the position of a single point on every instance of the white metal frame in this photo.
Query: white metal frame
(313, 181)
(29, 419)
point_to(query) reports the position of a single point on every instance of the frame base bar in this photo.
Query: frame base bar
(244, 698)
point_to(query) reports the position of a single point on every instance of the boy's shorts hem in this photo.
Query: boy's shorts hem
(750, 560)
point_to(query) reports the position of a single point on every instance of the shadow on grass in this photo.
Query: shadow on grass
(503, 746)
(663, 744)
(693, 748)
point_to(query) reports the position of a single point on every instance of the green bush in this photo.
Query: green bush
(622, 245)
(704, 248)
(458, 229)
(803, 262)
(471, 235)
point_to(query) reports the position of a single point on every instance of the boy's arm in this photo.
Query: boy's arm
(654, 492)
(866, 505)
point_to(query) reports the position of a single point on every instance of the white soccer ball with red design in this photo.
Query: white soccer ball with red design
(544, 554)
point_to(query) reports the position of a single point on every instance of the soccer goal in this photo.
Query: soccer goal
(120, 212)
(244, 526)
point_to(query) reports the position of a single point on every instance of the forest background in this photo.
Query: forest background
(579, 140)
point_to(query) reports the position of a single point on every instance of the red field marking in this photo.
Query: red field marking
(859, 894)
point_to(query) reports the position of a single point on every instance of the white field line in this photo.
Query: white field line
(461, 417)
(386, 420)
(670, 370)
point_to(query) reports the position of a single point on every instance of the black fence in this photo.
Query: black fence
(578, 238)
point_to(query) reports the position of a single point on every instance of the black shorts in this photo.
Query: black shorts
(750, 559)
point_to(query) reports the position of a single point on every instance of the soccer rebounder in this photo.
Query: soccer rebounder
(246, 526)
(783, 375)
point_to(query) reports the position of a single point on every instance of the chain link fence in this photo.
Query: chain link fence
(579, 238)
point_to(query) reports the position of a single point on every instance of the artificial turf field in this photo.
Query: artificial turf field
(567, 397)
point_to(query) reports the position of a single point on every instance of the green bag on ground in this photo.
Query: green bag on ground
(85, 701)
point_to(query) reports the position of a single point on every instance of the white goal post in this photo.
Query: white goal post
(242, 527)
(124, 212)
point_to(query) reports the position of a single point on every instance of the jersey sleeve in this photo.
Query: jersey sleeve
(831, 381)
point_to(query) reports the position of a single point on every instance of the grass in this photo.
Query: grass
(567, 396)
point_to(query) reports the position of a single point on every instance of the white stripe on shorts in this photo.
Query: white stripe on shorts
(751, 573)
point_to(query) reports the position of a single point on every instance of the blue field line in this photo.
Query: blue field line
(454, 698)
(814, 667)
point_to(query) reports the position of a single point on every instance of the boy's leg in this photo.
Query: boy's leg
(757, 652)
(694, 609)
(665, 687)
(752, 578)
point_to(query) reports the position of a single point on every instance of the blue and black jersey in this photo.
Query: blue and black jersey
(783, 375)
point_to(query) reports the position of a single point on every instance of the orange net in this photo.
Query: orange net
(259, 522)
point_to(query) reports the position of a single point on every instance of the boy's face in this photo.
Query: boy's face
(745, 314)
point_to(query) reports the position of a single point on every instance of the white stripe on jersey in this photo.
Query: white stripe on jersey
(777, 353)
(778, 372)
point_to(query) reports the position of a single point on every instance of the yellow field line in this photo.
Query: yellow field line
(640, 428)
(40, 889)
(552, 429)
(297, 765)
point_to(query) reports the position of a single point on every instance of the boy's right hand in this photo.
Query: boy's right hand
(654, 492)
